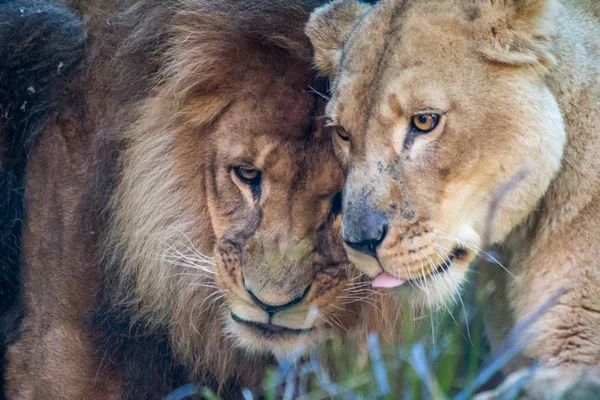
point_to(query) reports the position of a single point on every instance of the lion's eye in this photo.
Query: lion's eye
(249, 176)
(424, 123)
(342, 134)
(336, 204)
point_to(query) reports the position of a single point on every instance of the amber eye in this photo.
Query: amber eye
(249, 176)
(424, 123)
(342, 134)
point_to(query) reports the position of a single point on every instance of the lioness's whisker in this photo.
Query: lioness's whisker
(428, 295)
(433, 268)
(362, 291)
(357, 277)
(443, 254)
(357, 286)
(477, 251)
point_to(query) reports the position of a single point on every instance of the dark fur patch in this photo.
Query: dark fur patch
(145, 359)
(41, 46)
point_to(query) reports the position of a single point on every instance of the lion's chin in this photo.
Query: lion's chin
(283, 344)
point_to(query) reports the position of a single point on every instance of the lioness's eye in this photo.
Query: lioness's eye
(249, 176)
(424, 123)
(341, 132)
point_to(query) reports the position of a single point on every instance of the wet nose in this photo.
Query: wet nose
(364, 229)
(272, 308)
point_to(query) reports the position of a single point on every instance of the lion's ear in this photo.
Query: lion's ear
(328, 28)
(515, 32)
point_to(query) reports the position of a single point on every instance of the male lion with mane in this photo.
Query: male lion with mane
(466, 123)
(181, 203)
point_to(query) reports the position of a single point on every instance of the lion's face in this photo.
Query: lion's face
(225, 226)
(271, 197)
(444, 126)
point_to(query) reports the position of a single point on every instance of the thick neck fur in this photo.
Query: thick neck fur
(555, 248)
(577, 183)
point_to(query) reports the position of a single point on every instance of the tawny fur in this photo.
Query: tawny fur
(140, 240)
(517, 83)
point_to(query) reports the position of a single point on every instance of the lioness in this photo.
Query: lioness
(181, 208)
(462, 124)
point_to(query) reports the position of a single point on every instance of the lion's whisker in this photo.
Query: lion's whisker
(193, 247)
(365, 300)
(201, 264)
(315, 91)
(191, 260)
(199, 272)
(203, 285)
(214, 300)
(209, 296)
(331, 322)
(185, 261)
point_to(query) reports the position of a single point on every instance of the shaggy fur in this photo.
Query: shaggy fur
(142, 243)
(513, 159)
(33, 75)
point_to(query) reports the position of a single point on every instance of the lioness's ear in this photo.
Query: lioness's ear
(515, 32)
(328, 28)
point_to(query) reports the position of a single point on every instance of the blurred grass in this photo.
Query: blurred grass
(430, 364)
(419, 369)
(443, 355)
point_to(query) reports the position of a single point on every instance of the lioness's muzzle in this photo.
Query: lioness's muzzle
(363, 227)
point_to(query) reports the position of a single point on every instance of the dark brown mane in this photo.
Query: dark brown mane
(187, 55)
(121, 168)
(31, 86)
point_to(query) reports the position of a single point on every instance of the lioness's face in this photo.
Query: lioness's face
(432, 135)
(272, 203)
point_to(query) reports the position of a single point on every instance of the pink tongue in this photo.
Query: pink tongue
(385, 280)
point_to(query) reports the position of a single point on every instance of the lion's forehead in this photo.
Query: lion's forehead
(309, 169)
(417, 63)
(304, 163)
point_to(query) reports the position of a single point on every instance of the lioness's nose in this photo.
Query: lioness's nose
(271, 308)
(364, 229)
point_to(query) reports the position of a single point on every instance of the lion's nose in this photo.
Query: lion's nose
(272, 308)
(364, 229)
